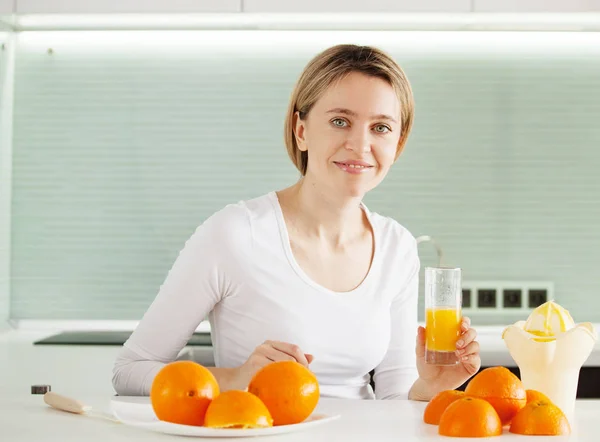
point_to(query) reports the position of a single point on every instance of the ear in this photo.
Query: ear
(299, 131)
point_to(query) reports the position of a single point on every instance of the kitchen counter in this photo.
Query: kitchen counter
(28, 419)
(84, 373)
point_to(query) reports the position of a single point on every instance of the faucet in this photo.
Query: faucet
(438, 249)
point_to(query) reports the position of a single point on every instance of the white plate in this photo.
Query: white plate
(137, 411)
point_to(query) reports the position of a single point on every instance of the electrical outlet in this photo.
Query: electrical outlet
(486, 298)
(512, 298)
(497, 297)
(466, 298)
(537, 297)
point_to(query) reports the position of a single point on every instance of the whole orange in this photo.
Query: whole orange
(501, 388)
(237, 409)
(470, 417)
(534, 395)
(438, 404)
(540, 418)
(181, 392)
(288, 389)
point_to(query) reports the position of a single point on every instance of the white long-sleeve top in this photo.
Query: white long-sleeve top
(239, 270)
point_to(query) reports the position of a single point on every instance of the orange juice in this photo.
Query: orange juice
(442, 331)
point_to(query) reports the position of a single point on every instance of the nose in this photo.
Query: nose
(359, 140)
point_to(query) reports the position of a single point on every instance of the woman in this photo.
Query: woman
(308, 273)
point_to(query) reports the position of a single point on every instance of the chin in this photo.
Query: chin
(354, 191)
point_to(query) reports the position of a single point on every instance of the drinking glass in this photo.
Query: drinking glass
(443, 314)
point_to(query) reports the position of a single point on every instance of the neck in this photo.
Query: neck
(317, 214)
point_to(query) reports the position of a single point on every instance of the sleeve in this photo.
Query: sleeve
(196, 282)
(397, 372)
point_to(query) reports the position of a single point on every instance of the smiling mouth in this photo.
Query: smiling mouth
(353, 166)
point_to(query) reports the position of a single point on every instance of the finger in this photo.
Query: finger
(471, 363)
(290, 349)
(420, 344)
(274, 355)
(471, 349)
(466, 338)
(465, 323)
(309, 357)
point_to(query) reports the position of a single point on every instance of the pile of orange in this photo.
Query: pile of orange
(495, 398)
(281, 393)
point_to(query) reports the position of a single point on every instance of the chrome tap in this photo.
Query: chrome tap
(438, 249)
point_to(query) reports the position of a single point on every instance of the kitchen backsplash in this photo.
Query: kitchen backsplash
(5, 163)
(125, 142)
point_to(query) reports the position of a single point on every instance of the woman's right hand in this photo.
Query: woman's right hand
(266, 353)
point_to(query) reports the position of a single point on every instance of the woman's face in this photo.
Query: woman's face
(351, 135)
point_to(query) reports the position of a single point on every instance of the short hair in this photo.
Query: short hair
(332, 65)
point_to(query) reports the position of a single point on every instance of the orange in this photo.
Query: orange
(182, 391)
(501, 388)
(534, 395)
(237, 409)
(470, 417)
(288, 389)
(439, 403)
(540, 418)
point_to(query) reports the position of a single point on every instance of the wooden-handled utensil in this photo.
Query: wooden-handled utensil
(71, 405)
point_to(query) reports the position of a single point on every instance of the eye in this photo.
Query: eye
(339, 122)
(382, 129)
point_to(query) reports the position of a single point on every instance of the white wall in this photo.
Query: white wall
(6, 104)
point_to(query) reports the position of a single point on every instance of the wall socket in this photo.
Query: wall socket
(505, 296)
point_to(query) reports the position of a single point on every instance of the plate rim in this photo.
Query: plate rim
(181, 429)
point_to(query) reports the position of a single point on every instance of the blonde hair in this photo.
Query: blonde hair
(332, 65)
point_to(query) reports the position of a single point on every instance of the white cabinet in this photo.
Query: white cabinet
(340, 6)
(536, 5)
(282, 6)
(124, 6)
(6, 6)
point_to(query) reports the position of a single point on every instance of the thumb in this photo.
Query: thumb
(420, 345)
(309, 357)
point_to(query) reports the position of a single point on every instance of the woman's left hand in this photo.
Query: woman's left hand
(438, 377)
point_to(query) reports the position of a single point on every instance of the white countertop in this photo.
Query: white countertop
(28, 419)
(84, 373)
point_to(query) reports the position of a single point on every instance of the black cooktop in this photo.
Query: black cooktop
(108, 338)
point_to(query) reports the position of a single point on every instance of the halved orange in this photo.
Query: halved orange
(439, 403)
(237, 409)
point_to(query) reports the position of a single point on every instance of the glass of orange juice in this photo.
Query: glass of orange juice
(443, 314)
